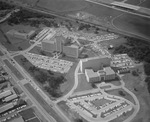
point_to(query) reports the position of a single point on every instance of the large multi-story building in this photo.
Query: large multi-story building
(97, 69)
(61, 44)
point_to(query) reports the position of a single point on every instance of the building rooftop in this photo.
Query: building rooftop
(91, 73)
(109, 70)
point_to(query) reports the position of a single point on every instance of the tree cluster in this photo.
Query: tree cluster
(139, 50)
(53, 83)
(4, 6)
(135, 48)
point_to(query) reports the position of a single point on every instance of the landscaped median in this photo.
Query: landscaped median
(43, 103)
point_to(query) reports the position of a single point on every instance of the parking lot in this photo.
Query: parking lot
(86, 36)
(98, 105)
(122, 61)
(49, 63)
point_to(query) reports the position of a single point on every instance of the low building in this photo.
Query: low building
(5, 94)
(123, 70)
(6, 107)
(11, 97)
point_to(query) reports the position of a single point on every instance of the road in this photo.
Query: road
(8, 56)
(42, 111)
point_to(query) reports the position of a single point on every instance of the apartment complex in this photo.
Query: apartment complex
(61, 44)
(97, 69)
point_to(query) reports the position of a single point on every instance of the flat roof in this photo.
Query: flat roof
(125, 5)
(5, 93)
(109, 70)
(91, 73)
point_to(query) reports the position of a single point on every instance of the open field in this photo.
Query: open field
(102, 12)
(136, 24)
(146, 4)
(137, 85)
(14, 70)
(42, 102)
(83, 84)
(144, 100)
(62, 5)
(133, 2)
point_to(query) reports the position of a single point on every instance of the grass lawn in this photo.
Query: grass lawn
(100, 102)
(67, 86)
(1, 54)
(135, 82)
(102, 12)
(115, 42)
(62, 5)
(141, 92)
(136, 24)
(116, 93)
(116, 82)
(133, 2)
(42, 102)
(14, 70)
(83, 84)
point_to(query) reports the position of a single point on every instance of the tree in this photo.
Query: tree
(135, 73)
(121, 93)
